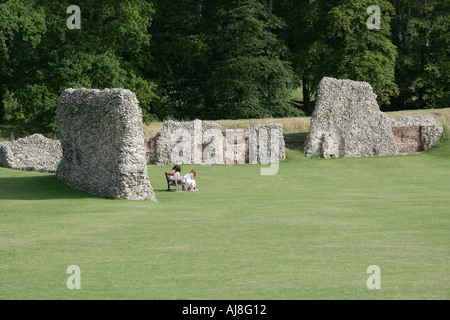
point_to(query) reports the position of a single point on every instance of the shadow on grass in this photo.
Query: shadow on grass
(163, 190)
(295, 141)
(38, 188)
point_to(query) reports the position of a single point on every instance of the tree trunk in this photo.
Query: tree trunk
(306, 97)
(200, 8)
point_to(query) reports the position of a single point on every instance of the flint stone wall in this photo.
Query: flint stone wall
(195, 142)
(266, 144)
(347, 122)
(101, 134)
(33, 153)
(416, 134)
(205, 143)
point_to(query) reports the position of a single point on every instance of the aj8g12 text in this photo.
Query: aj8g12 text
(239, 309)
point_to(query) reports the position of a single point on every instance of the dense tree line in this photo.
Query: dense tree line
(217, 59)
(40, 56)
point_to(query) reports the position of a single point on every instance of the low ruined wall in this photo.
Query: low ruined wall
(416, 134)
(101, 134)
(201, 142)
(347, 122)
(33, 153)
(195, 142)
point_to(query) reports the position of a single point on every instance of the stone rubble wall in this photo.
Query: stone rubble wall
(416, 134)
(347, 122)
(101, 134)
(205, 143)
(185, 143)
(266, 144)
(33, 153)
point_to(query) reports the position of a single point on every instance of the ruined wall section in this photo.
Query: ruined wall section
(205, 143)
(416, 134)
(101, 134)
(347, 122)
(266, 144)
(33, 153)
(195, 142)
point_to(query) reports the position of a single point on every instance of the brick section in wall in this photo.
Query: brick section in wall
(150, 147)
(410, 139)
(234, 144)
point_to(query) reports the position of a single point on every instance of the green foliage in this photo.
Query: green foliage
(13, 111)
(363, 54)
(39, 105)
(42, 57)
(219, 59)
(331, 38)
(435, 78)
(147, 93)
(421, 33)
(248, 74)
(179, 57)
(224, 61)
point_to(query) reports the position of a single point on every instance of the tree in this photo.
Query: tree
(331, 38)
(421, 33)
(178, 57)
(249, 74)
(221, 59)
(22, 29)
(13, 111)
(435, 79)
(42, 57)
(304, 36)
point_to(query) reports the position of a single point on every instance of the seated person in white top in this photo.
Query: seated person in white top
(190, 180)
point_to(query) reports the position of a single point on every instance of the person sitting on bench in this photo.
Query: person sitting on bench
(176, 168)
(175, 174)
(190, 180)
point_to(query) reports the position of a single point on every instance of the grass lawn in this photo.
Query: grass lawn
(308, 232)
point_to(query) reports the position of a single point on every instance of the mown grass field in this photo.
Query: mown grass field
(308, 232)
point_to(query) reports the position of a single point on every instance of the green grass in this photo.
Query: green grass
(308, 232)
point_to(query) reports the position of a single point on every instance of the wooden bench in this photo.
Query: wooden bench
(174, 183)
